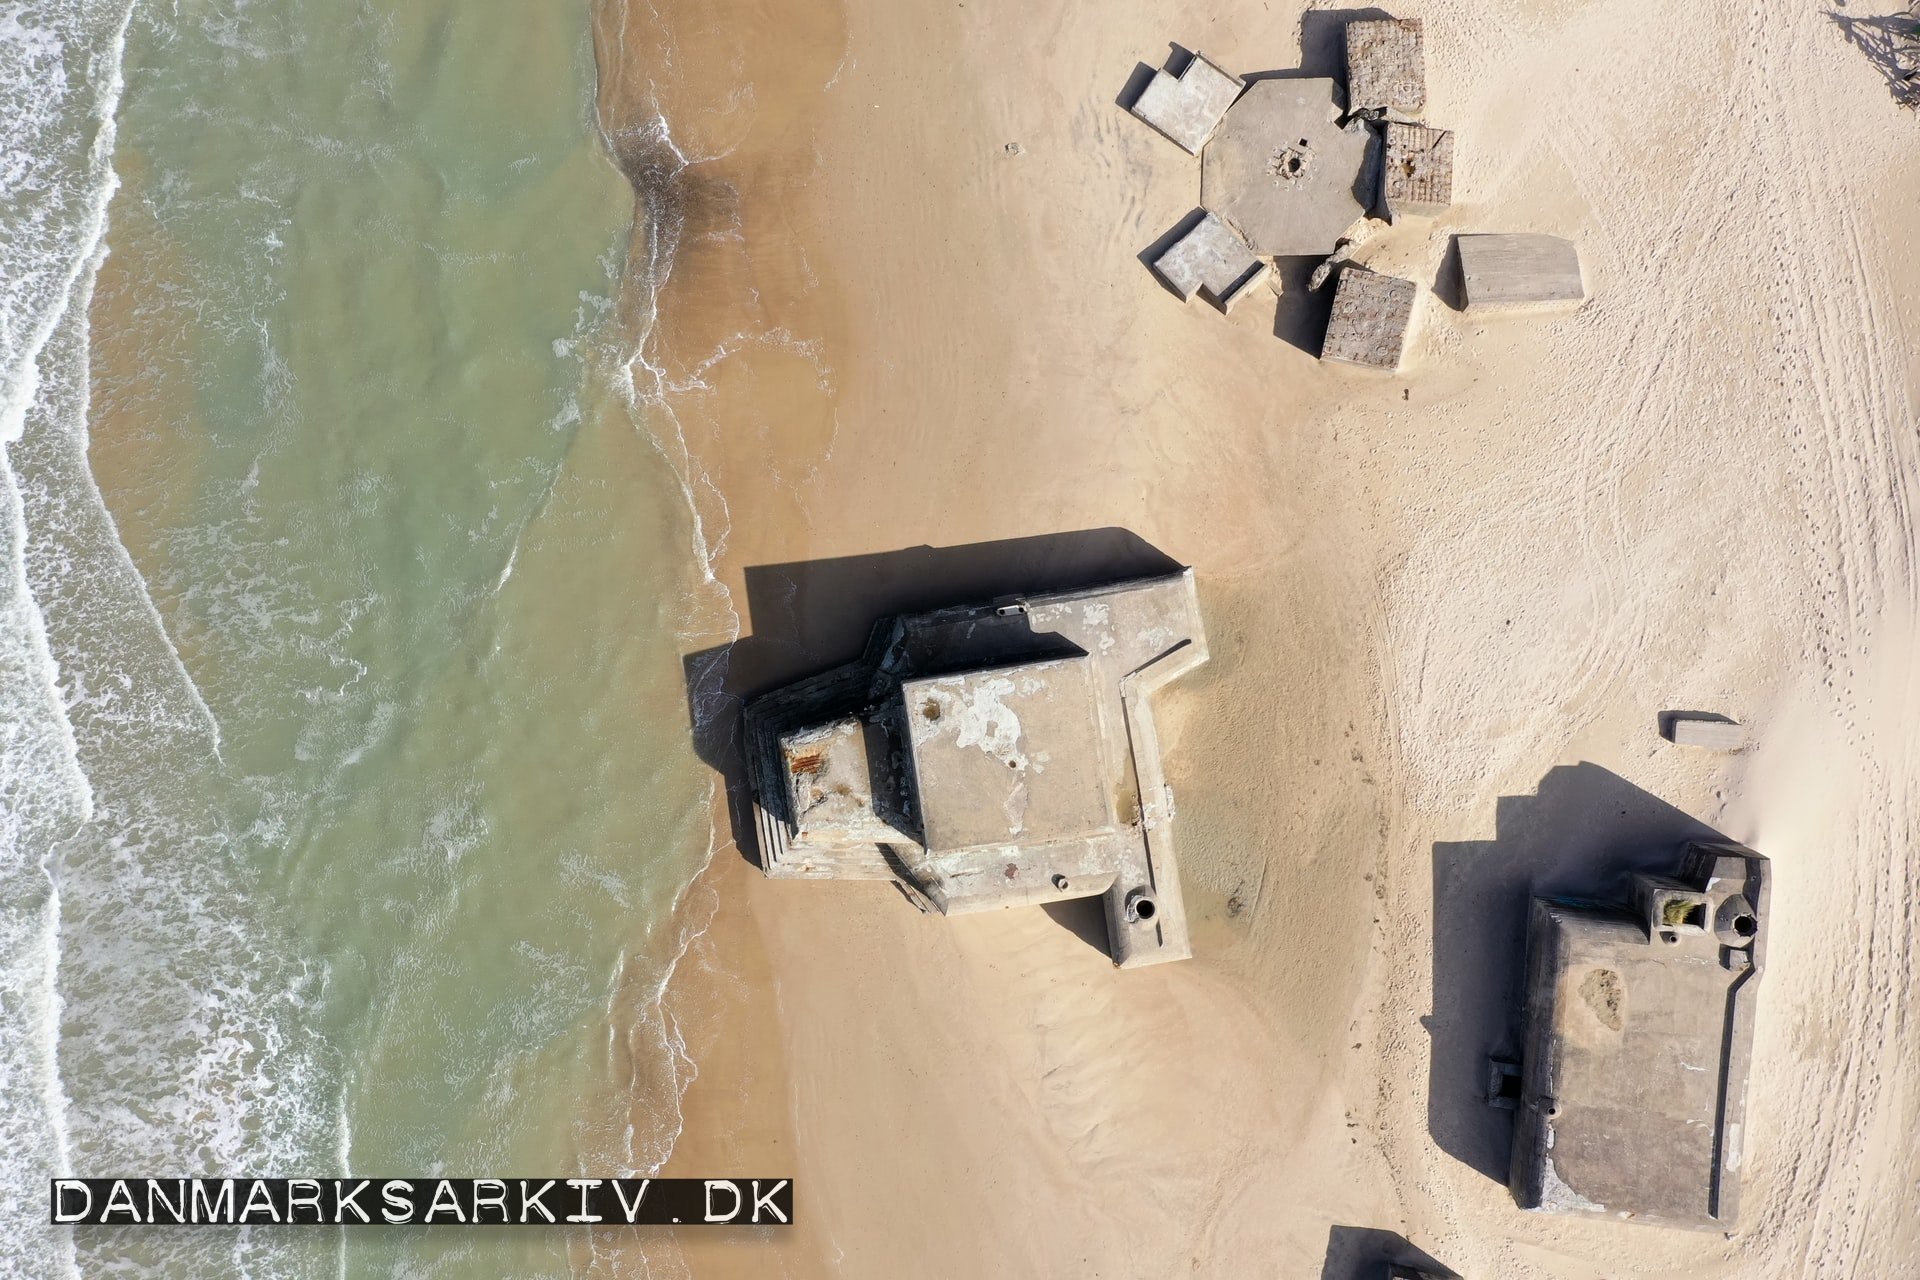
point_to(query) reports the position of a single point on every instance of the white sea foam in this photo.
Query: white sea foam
(118, 912)
(59, 82)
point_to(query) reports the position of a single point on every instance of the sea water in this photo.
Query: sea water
(344, 788)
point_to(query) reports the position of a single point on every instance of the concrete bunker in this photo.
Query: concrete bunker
(990, 756)
(1630, 1096)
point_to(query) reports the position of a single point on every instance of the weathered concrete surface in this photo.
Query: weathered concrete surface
(1211, 258)
(1638, 1044)
(1187, 107)
(1011, 758)
(1387, 67)
(1507, 270)
(1417, 174)
(1710, 732)
(1371, 313)
(1009, 755)
(1282, 171)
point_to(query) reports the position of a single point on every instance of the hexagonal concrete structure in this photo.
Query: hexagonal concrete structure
(1282, 171)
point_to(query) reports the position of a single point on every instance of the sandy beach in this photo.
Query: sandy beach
(888, 295)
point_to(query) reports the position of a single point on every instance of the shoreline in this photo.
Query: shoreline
(1427, 595)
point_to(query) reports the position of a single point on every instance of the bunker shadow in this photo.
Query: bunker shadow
(1301, 318)
(1450, 284)
(1577, 836)
(808, 616)
(1366, 1253)
(1323, 48)
(1178, 56)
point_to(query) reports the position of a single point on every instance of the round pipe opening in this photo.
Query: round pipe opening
(1059, 881)
(1141, 906)
(1745, 926)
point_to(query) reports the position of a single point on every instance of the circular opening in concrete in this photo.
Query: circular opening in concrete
(1141, 906)
(1059, 881)
(1745, 926)
(1665, 936)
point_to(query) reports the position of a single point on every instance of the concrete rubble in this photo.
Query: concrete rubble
(991, 756)
(1638, 1041)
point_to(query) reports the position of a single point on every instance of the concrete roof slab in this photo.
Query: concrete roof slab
(1282, 171)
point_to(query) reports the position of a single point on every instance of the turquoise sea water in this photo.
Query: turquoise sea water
(344, 793)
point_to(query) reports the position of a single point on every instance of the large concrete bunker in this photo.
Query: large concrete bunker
(1631, 1099)
(990, 756)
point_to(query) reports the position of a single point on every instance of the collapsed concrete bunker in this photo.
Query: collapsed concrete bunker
(1631, 1094)
(990, 756)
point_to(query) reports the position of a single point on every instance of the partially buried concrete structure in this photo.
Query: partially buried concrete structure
(1283, 171)
(1214, 260)
(1631, 1094)
(1518, 270)
(1387, 68)
(991, 756)
(1186, 107)
(1371, 313)
(1416, 176)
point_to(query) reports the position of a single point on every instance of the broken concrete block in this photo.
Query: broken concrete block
(1370, 317)
(1417, 175)
(1638, 1043)
(1713, 732)
(1387, 68)
(1187, 107)
(1507, 270)
(1212, 259)
(1282, 170)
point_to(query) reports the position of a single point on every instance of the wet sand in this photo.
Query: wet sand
(1424, 592)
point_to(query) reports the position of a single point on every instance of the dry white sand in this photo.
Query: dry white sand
(1425, 592)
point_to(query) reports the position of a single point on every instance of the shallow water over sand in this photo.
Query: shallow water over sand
(349, 798)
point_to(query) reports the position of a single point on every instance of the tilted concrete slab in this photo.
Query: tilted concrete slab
(1283, 173)
(1371, 313)
(1712, 732)
(1011, 755)
(1387, 67)
(1638, 1045)
(1212, 259)
(1416, 176)
(1187, 107)
(1513, 270)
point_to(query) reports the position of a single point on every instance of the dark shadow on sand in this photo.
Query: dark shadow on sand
(1365, 1253)
(1892, 44)
(1450, 285)
(1301, 318)
(808, 616)
(1178, 57)
(1578, 836)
